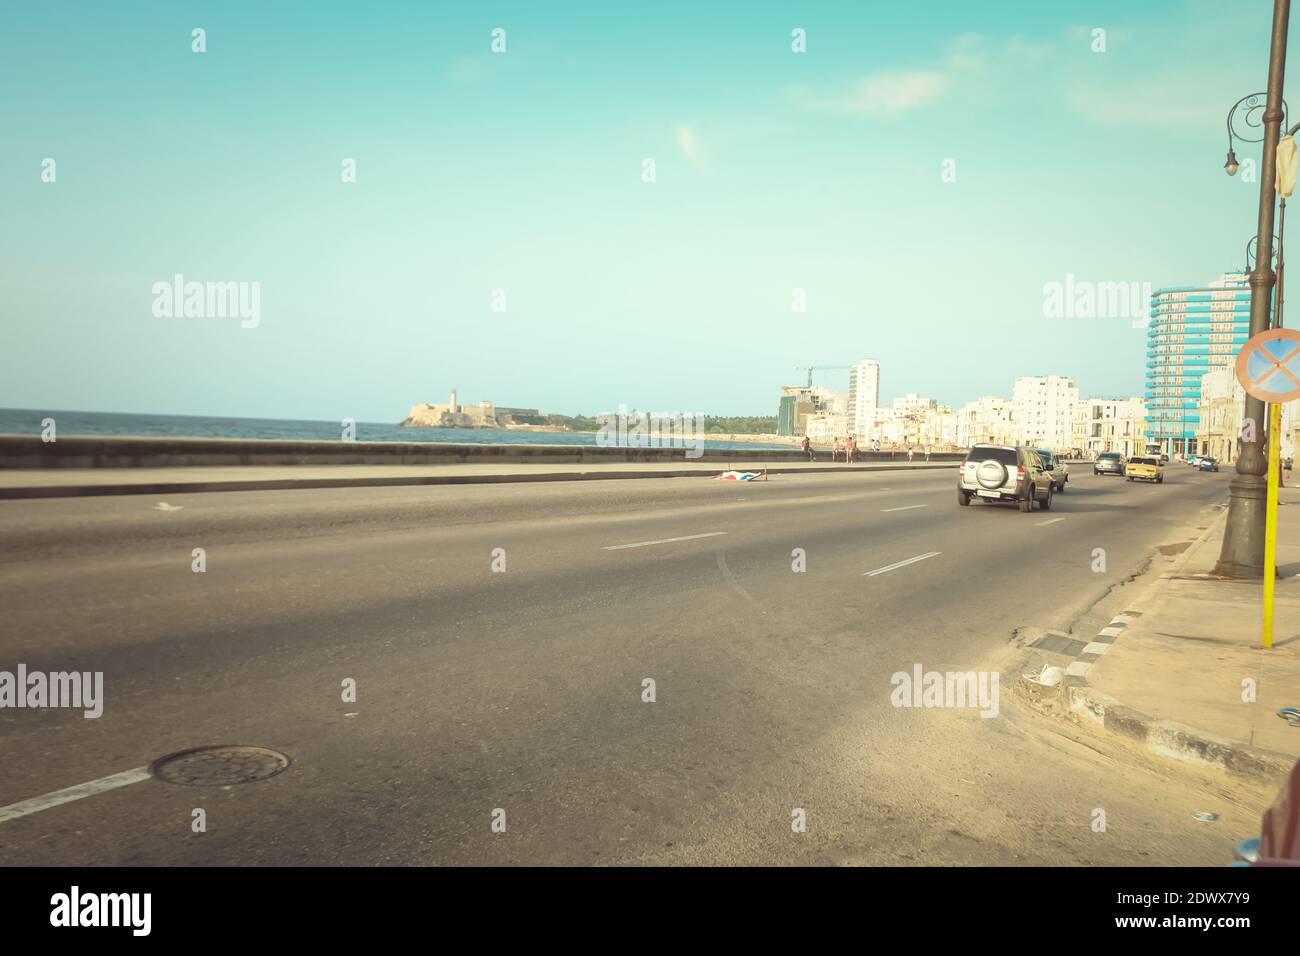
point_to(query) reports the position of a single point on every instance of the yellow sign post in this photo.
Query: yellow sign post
(1270, 525)
(1268, 368)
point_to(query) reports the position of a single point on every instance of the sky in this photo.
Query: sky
(919, 173)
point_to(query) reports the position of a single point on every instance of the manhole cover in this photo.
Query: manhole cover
(219, 766)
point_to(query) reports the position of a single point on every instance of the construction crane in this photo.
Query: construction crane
(820, 368)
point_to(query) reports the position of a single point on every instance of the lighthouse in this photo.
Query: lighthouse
(455, 409)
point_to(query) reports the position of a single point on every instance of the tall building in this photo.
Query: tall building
(1043, 410)
(1193, 330)
(864, 397)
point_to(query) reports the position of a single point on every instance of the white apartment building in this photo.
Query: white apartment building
(987, 419)
(824, 427)
(864, 397)
(916, 422)
(1043, 410)
(1108, 424)
(912, 404)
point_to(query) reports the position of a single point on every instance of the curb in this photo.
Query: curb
(288, 484)
(1165, 738)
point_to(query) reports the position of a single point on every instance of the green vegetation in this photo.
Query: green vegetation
(574, 423)
(740, 424)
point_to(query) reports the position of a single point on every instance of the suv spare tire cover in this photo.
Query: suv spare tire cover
(991, 473)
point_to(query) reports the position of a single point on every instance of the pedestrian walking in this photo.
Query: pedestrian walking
(909, 454)
(806, 445)
(927, 452)
(1287, 465)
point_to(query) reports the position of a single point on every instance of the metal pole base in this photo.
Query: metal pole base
(1242, 555)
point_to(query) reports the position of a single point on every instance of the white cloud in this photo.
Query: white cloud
(971, 59)
(886, 92)
(686, 140)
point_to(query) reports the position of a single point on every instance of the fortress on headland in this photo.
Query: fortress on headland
(456, 415)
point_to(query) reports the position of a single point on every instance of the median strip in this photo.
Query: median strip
(646, 544)
(902, 564)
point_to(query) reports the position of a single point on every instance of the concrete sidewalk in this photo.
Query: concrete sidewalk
(1175, 670)
(79, 482)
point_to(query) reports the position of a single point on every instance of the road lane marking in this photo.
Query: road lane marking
(646, 544)
(1049, 521)
(904, 508)
(68, 794)
(901, 564)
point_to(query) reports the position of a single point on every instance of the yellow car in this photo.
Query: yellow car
(1147, 469)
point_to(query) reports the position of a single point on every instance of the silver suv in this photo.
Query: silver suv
(1005, 473)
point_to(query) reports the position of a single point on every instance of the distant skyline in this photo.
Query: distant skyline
(521, 171)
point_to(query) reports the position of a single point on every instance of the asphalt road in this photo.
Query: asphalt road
(522, 690)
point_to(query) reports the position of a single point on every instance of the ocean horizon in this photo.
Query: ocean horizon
(26, 421)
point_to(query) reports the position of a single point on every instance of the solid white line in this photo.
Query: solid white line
(905, 508)
(901, 564)
(37, 804)
(1049, 521)
(646, 544)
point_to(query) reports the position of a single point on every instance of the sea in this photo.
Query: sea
(27, 421)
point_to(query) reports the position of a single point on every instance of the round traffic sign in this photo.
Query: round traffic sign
(1268, 365)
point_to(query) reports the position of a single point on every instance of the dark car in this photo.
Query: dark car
(1109, 463)
(1205, 463)
(1053, 463)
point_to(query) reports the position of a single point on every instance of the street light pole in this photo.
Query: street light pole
(1242, 555)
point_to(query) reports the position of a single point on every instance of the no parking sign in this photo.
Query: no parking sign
(1268, 366)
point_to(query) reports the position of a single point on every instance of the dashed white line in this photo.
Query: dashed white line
(68, 794)
(904, 508)
(901, 564)
(646, 544)
(1048, 521)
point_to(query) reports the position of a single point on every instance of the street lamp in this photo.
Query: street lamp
(1243, 119)
(1242, 555)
